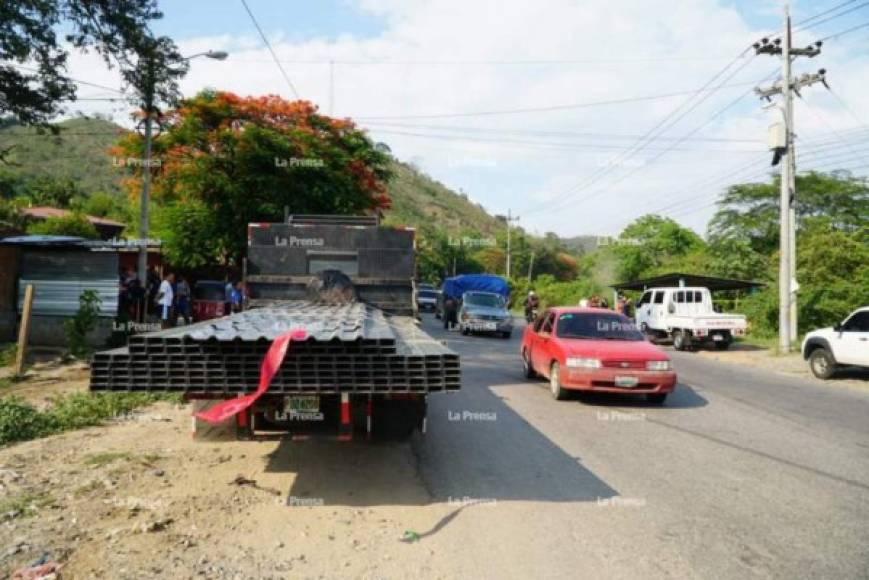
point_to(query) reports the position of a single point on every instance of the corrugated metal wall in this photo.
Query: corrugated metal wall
(60, 276)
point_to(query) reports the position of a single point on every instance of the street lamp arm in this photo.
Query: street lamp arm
(214, 54)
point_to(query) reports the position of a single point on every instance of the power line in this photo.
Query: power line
(544, 133)
(824, 13)
(844, 32)
(549, 144)
(79, 81)
(271, 50)
(668, 125)
(835, 16)
(545, 109)
(516, 62)
(650, 135)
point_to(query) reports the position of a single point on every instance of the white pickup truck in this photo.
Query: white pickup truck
(686, 315)
(845, 344)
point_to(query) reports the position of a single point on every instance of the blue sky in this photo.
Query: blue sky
(292, 19)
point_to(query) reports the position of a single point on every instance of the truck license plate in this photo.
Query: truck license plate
(717, 337)
(303, 404)
(490, 326)
(628, 382)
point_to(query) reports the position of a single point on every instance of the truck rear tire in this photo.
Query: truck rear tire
(681, 341)
(397, 419)
(822, 363)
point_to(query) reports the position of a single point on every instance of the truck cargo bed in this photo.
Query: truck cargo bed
(352, 348)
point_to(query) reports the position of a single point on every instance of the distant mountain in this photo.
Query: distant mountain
(80, 153)
(584, 244)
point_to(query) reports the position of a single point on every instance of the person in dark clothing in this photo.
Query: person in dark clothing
(227, 297)
(182, 299)
(237, 298)
(451, 308)
(532, 303)
(153, 288)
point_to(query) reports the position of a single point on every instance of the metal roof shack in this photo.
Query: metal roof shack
(60, 268)
(678, 279)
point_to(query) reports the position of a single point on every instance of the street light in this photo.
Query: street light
(146, 178)
(215, 54)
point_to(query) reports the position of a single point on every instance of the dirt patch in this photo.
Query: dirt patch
(44, 380)
(140, 498)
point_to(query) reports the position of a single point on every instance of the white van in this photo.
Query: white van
(686, 315)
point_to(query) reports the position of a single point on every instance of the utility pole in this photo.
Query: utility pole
(146, 176)
(331, 87)
(531, 266)
(509, 219)
(786, 87)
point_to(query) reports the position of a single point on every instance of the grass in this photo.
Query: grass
(21, 421)
(7, 353)
(24, 504)
(107, 457)
(103, 459)
(768, 342)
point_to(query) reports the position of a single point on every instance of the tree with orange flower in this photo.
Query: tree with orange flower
(221, 161)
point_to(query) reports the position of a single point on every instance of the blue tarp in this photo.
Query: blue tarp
(458, 285)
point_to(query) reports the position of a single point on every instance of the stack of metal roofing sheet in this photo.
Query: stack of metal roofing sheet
(351, 348)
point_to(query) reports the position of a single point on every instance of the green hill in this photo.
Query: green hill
(79, 153)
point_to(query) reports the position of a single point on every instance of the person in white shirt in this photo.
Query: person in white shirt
(165, 298)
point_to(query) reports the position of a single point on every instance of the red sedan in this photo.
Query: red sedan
(594, 349)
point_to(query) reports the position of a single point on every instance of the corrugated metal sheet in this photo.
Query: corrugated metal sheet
(60, 277)
(347, 323)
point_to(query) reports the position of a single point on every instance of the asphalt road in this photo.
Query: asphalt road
(743, 473)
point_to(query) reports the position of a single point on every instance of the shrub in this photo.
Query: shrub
(84, 321)
(20, 421)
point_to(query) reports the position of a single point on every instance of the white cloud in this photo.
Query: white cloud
(497, 168)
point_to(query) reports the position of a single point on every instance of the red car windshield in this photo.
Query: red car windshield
(593, 326)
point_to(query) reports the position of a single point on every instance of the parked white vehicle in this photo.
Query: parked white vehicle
(845, 344)
(687, 315)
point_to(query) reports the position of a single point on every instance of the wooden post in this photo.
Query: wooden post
(24, 330)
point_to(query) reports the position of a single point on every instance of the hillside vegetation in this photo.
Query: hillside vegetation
(80, 153)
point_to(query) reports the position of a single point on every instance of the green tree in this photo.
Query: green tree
(74, 224)
(246, 159)
(53, 192)
(750, 211)
(651, 242)
(34, 54)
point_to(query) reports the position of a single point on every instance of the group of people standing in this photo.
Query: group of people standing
(164, 299)
(174, 300)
